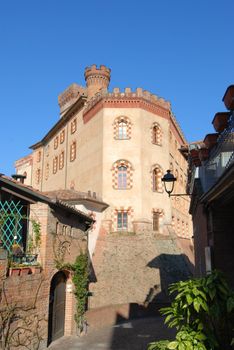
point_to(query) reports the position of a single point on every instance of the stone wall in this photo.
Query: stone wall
(135, 268)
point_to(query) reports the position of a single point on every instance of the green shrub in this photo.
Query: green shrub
(202, 313)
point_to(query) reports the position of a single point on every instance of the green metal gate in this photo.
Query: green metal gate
(11, 223)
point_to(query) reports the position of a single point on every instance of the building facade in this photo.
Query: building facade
(37, 300)
(212, 185)
(116, 146)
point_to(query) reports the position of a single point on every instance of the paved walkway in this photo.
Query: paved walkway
(132, 335)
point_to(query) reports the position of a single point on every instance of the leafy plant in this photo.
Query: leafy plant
(80, 279)
(159, 345)
(202, 313)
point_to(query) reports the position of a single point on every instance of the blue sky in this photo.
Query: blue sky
(181, 50)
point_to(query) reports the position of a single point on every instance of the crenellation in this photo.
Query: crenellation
(127, 90)
(116, 90)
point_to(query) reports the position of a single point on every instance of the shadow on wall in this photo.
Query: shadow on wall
(172, 268)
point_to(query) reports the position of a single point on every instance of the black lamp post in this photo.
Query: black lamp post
(169, 180)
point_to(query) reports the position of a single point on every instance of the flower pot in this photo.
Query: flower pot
(203, 154)
(220, 121)
(210, 140)
(14, 271)
(35, 269)
(228, 98)
(25, 271)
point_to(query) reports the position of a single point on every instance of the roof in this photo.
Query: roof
(61, 122)
(77, 197)
(33, 195)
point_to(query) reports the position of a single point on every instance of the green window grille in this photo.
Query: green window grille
(11, 223)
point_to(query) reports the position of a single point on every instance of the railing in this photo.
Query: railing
(221, 157)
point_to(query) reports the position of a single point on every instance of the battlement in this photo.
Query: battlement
(97, 78)
(69, 96)
(128, 94)
(94, 70)
(138, 98)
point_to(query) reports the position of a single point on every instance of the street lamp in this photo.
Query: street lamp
(169, 180)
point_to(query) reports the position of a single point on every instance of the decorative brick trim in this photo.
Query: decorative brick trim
(115, 172)
(114, 216)
(125, 102)
(73, 151)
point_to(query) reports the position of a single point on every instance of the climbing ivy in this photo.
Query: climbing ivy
(80, 279)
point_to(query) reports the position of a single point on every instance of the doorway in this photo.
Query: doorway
(57, 307)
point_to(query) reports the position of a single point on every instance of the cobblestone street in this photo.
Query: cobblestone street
(132, 335)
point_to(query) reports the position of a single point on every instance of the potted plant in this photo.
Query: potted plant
(210, 140)
(25, 270)
(35, 269)
(220, 121)
(228, 98)
(14, 271)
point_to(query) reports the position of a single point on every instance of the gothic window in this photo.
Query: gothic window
(156, 134)
(55, 165)
(62, 136)
(56, 142)
(73, 126)
(122, 172)
(73, 151)
(122, 128)
(61, 160)
(122, 177)
(157, 175)
(122, 220)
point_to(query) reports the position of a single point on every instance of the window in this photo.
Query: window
(122, 178)
(156, 216)
(122, 220)
(122, 175)
(38, 176)
(39, 156)
(122, 128)
(62, 136)
(55, 165)
(157, 176)
(61, 160)
(56, 142)
(73, 151)
(156, 134)
(73, 126)
(47, 171)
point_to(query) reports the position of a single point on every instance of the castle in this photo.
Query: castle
(106, 155)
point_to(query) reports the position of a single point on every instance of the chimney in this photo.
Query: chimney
(19, 178)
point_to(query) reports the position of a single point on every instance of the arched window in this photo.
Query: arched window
(157, 176)
(156, 134)
(122, 177)
(122, 128)
(122, 172)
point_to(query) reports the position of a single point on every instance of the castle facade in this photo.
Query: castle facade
(107, 154)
